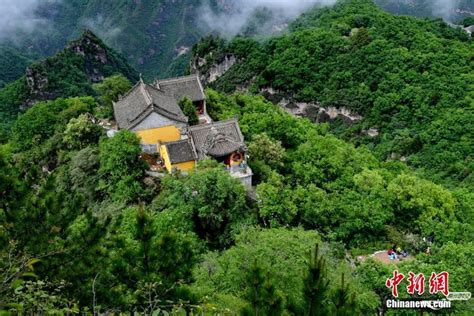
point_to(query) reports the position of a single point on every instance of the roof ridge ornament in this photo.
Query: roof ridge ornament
(145, 92)
(214, 137)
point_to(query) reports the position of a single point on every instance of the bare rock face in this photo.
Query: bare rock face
(209, 73)
(36, 81)
(313, 111)
(38, 87)
(317, 113)
(88, 45)
(222, 67)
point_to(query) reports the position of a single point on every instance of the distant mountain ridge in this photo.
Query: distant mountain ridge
(154, 36)
(429, 8)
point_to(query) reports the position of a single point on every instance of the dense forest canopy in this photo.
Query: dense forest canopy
(84, 229)
(409, 79)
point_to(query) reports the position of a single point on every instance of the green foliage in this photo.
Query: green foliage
(81, 132)
(120, 166)
(189, 110)
(468, 21)
(40, 297)
(13, 64)
(41, 121)
(275, 202)
(146, 260)
(406, 77)
(265, 154)
(221, 277)
(315, 286)
(109, 91)
(262, 297)
(208, 201)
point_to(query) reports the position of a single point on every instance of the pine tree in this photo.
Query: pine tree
(343, 299)
(262, 296)
(144, 234)
(315, 286)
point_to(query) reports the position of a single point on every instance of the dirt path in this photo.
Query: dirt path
(384, 258)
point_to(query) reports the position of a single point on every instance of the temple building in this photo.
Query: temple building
(190, 87)
(153, 113)
(224, 142)
(154, 116)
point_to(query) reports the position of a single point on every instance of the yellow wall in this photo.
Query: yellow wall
(159, 135)
(165, 157)
(183, 166)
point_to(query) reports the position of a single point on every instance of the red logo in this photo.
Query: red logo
(439, 283)
(393, 282)
(416, 283)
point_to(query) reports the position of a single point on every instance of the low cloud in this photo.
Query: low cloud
(104, 28)
(20, 16)
(234, 15)
(439, 8)
(444, 8)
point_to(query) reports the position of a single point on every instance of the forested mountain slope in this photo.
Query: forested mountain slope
(411, 80)
(84, 229)
(71, 72)
(150, 34)
(154, 36)
(451, 10)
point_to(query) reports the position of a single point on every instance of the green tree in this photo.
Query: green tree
(344, 299)
(280, 252)
(265, 154)
(81, 131)
(261, 294)
(426, 205)
(275, 202)
(315, 285)
(109, 91)
(146, 260)
(211, 201)
(120, 165)
(189, 110)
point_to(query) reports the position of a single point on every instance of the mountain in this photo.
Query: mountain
(398, 85)
(452, 11)
(150, 34)
(71, 72)
(85, 229)
(156, 36)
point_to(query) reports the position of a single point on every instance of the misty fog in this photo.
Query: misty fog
(18, 16)
(231, 21)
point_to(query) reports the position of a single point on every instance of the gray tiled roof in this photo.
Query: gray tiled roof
(142, 100)
(217, 139)
(181, 151)
(189, 86)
